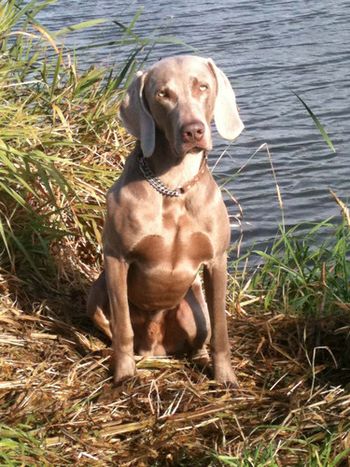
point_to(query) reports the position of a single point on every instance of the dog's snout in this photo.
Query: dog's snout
(192, 132)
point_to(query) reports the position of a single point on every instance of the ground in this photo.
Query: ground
(58, 405)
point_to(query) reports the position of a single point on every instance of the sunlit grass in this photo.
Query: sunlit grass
(60, 144)
(303, 274)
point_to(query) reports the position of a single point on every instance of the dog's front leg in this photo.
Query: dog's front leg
(122, 332)
(215, 278)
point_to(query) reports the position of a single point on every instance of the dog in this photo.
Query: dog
(166, 222)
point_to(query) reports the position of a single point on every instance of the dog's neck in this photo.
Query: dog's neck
(172, 170)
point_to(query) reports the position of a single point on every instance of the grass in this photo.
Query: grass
(304, 275)
(58, 134)
(61, 147)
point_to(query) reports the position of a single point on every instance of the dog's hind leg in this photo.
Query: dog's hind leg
(195, 298)
(98, 305)
(191, 319)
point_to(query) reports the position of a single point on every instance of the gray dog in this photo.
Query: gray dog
(166, 219)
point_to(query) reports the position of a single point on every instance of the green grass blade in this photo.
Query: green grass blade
(4, 239)
(318, 124)
(344, 455)
(80, 26)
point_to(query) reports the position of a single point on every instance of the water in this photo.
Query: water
(267, 49)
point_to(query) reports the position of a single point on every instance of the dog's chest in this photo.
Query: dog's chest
(174, 239)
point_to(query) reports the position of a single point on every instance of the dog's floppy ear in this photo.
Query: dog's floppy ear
(135, 116)
(227, 120)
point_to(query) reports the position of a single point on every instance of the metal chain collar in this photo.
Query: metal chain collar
(159, 186)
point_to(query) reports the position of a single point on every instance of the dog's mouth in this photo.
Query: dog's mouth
(182, 149)
(196, 150)
(182, 152)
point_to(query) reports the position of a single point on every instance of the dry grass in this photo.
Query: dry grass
(57, 398)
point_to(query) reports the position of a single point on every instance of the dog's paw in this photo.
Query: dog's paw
(124, 368)
(223, 373)
(201, 358)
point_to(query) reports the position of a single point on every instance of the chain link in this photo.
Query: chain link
(156, 182)
(159, 185)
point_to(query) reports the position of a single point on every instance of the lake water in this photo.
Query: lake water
(267, 49)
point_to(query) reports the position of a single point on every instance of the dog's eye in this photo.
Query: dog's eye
(162, 94)
(203, 87)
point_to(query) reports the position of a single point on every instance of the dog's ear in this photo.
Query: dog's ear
(135, 116)
(227, 120)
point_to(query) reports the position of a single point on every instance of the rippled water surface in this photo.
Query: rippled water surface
(267, 49)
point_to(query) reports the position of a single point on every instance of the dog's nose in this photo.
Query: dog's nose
(192, 132)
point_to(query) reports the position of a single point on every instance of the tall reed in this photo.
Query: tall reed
(60, 144)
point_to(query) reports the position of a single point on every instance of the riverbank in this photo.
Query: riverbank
(61, 147)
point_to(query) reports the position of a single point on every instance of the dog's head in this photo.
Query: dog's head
(179, 96)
